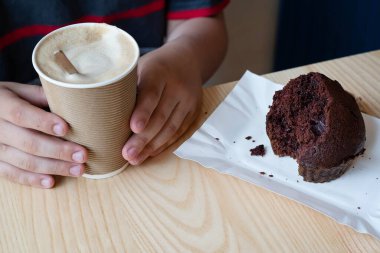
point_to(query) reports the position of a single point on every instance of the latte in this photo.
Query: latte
(99, 52)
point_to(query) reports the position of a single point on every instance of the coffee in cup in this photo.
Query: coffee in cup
(97, 99)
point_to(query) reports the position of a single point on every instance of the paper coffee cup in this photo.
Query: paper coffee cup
(98, 112)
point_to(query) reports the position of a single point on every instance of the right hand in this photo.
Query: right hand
(30, 148)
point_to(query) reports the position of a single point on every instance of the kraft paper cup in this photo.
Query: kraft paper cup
(98, 114)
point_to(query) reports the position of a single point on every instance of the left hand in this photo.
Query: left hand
(169, 99)
(170, 80)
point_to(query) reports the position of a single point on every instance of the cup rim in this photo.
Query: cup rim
(85, 85)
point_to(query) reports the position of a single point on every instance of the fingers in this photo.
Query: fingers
(20, 176)
(166, 137)
(38, 144)
(32, 93)
(23, 114)
(162, 113)
(149, 96)
(185, 125)
(29, 150)
(37, 164)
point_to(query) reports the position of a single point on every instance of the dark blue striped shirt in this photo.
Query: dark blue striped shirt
(23, 23)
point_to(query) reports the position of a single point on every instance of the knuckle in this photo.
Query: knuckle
(171, 129)
(17, 115)
(178, 134)
(142, 140)
(24, 179)
(182, 130)
(27, 164)
(63, 151)
(145, 113)
(193, 113)
(161, 149)
(59, 168)
(154, 94)
(32, 180)
(161, 117)
(41, 122)
(30, 146)
(14, 175)
(61, 154)
(150, 148)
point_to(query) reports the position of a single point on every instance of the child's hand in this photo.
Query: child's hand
(30, 150)
(170, 79)
(169, 98)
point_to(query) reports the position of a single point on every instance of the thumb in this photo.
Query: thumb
(32, 93)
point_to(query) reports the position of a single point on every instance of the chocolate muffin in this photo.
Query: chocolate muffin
(315, 121)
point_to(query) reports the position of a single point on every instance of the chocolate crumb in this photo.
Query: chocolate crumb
(258, 151)
(206, 113)
(262, 172)
(298, 181)
(217, 139)
(253, 140)
(248, 137)
(234, 141)
(270, 175)
(359, 207)
(377, 178)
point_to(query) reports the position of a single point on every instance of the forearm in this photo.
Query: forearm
(197, 45)
(204, 40)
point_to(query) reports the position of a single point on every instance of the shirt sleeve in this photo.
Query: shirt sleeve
(185, 9)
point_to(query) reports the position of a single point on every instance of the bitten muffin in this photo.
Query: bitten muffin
(315, 121)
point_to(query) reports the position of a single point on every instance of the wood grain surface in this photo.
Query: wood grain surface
(174, 205)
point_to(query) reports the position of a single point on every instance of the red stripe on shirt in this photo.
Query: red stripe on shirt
(24, 32)
(134, 13)
(204, 12)
(34, 30)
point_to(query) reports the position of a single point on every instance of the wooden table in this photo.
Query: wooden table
(174, 205)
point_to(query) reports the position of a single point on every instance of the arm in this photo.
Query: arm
(204, 40)
(170, 81)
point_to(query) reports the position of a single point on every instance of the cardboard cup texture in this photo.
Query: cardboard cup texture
(98, 115)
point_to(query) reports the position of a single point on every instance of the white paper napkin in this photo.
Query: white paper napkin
(221, 144)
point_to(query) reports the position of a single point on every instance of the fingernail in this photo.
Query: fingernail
(46, 182)
(132, 152)
(78, 157)
(75, 171)
(140, 125)
(58, 129)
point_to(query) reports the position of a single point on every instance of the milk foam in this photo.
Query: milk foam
(99, 52)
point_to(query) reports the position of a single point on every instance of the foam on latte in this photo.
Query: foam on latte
(99, 52)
